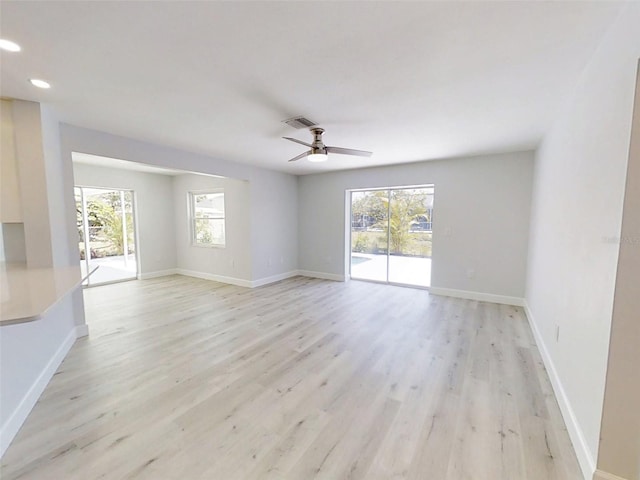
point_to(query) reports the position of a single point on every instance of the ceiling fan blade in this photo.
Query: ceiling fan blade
(298, 141)
(349, 151)
(302, 155)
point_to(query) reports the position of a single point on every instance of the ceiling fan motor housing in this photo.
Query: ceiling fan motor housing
(317, 146)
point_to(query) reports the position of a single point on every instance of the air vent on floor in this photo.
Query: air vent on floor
(299, 122)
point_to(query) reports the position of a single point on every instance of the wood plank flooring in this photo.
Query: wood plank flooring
(184, 378)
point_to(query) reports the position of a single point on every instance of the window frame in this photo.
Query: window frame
(191, 197)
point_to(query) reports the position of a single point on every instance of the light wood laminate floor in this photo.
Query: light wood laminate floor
(184, 378)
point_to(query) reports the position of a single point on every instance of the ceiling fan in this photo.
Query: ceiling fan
(319, 150)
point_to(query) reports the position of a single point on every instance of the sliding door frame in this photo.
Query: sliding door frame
(349, 200)
(85, 226)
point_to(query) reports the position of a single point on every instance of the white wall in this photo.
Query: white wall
(274, 227)
(232, 261)
(619, 450)
(155, 224)
(30, 353)
(580, 172)
(481, 218)
(272, 194)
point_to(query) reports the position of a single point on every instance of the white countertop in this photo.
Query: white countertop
(26, 294)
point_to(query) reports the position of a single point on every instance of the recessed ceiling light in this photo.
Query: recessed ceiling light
(39, 83)
(9, 46)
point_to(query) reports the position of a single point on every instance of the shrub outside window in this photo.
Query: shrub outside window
(208, 218)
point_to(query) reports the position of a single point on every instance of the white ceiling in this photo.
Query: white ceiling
(99, 161)
(408, 80)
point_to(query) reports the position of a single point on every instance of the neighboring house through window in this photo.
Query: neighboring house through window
(207, 218)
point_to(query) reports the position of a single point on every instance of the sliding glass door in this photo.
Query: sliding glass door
(105, 219)
(391, 232)
(369, 235)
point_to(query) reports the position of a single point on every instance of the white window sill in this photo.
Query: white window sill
(212, 245)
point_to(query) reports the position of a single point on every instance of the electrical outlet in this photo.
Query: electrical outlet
(471, 273)
(557, 333)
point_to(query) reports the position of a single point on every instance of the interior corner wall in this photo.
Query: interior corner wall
(579, 180)
(154, 211)
(233, 262)
(274, 227)
(481, 218)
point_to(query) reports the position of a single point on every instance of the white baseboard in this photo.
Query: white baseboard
(159, 273)
(82, 330)
(260, 282)
(479, 296)
(11, 427)
(240, 282)
(585, 458)
(273, 278)
(322, 275)
(600, 475)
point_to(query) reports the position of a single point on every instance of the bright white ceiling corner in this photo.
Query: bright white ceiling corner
(99, 161)
(108, 162)
(407, 80)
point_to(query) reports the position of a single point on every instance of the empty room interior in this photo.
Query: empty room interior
(320, 240)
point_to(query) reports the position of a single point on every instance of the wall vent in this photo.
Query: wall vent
(300, 122)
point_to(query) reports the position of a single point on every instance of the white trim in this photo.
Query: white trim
(158, 273)
(11, 427)
(192, 217)
(260, 282)
(479, 296)
(82, 330)
(601, 475)
(110, 282)
(322, 275)
(585, 459)
(273, 278)
(216, 278)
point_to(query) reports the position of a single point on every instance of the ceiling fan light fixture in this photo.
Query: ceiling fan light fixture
(317, 157)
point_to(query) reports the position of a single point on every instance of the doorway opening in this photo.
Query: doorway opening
(106, 234)
(391, 235)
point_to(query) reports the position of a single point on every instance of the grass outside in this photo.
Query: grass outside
(417, 244)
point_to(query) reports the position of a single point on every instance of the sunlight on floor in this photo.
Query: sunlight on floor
(406, 270)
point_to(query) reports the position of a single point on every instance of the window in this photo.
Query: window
(207, 218)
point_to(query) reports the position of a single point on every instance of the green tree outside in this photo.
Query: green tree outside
(105, 224)
(406, 208)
